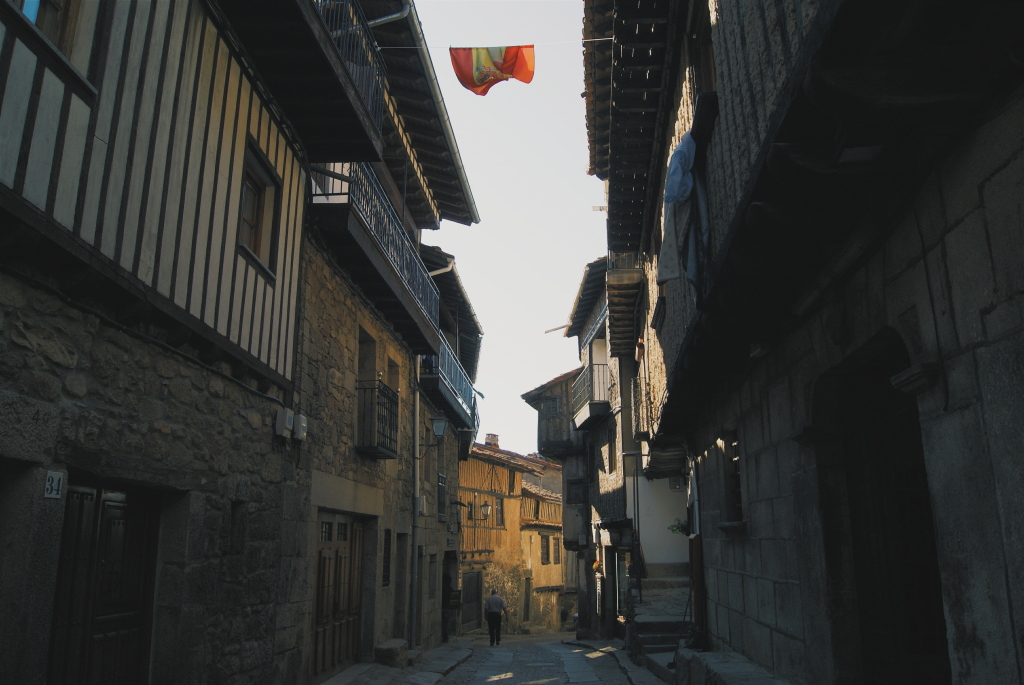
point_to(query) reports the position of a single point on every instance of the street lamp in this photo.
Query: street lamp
(485, 509)
(439, 425)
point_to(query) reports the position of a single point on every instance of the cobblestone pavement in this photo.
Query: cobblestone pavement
(664, 602)
(532, 660)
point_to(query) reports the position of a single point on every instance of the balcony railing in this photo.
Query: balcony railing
(618, 261)
(377, 422)
(358, 49)
(448, 367)
(367, 197)
(590, 386)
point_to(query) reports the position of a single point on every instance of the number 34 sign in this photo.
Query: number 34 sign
(54, 484)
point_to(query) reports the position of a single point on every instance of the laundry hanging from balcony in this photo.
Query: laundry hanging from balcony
(685, 240)
(480, 68)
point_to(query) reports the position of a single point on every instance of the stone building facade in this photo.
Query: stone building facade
(192, 486)
(130, 421)
(836, 366)
(343, 339)
(549, 566)
(506, 524)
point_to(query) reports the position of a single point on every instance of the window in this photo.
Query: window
(56, 19)
(259, 209)
(325, 531)
(469, 511)
(442, 497)
(592, 451)
(549, 406)
(386, 561)
(556, 550)
(511, 482)
(531, 508)
(499, 512)
(613, 443)
(702, 56)
(545, 549)
(733, 485)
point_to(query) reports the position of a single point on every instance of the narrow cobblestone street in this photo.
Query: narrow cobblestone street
(520, 660)
(536, 661)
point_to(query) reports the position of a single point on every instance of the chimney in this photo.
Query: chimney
(491, 440)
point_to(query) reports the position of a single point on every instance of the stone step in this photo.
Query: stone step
(658, 664)
(658, 649)
(659, 624)
(660, 570)
(666, 582)
(652, 639)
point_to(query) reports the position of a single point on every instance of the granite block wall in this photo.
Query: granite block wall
(947, 280)
(84, 396)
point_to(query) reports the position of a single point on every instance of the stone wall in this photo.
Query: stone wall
(333, 314)
(82, 395)
(948, 281)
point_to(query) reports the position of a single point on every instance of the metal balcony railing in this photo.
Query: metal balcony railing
(367, 197)
(448, 367)
(623, 260)
(377, 422)
(358, 49)
(590, 386)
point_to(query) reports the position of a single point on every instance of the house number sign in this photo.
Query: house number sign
(54, 484)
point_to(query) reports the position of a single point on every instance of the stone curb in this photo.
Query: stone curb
(636, 675)
(447, 664)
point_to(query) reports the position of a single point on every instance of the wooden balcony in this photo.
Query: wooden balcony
(625, 282)
(323, 68)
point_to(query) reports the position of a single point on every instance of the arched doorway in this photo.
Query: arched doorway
(885, 595)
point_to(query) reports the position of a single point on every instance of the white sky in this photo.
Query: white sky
(524, 147)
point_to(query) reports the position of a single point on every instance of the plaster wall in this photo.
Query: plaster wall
(659, 507)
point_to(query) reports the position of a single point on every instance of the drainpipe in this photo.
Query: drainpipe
(443, 270)
(414, 579)
(446, 125)
(406, 6)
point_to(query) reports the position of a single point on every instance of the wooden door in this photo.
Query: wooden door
(471, 603)
(895, 559)
(103, 603)
(339, 593)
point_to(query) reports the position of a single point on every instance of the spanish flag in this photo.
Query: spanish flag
(480, 68)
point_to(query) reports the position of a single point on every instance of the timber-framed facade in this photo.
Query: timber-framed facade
(190, 459)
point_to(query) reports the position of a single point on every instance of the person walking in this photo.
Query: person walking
(494, 606)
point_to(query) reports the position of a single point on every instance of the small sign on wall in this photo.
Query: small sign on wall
(54, 487)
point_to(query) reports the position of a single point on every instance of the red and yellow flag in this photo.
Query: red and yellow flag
(480, 68)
